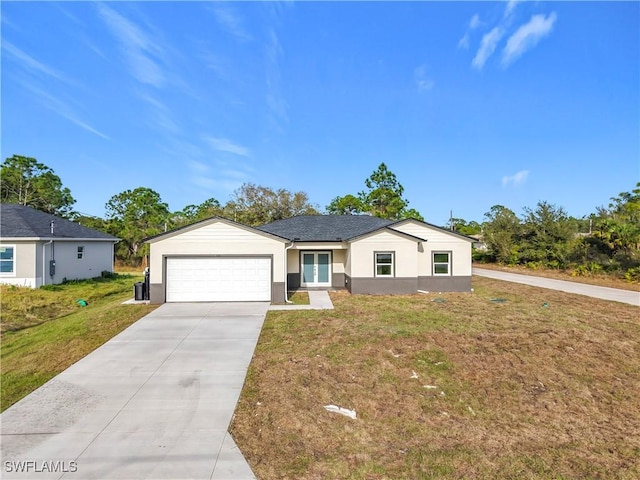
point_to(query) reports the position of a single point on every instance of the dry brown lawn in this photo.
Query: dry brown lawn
(541, 385)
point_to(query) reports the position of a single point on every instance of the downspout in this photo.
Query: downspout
(44, 261)
(286, 274)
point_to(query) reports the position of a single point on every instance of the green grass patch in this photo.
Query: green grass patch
(22, 307)
(299, 298)
(47, 330)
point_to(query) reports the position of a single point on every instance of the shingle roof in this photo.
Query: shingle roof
(18, 221)
(324, 228)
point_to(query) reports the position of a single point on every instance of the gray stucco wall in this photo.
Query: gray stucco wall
(293, 281)
(337, 281)
(444, 284)
(377, 286)
(156, 293)
(277, 292)
(395, 286)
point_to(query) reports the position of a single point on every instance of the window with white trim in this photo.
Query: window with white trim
(384, 264)
(7, 260)
(442, 263)
(80, 252)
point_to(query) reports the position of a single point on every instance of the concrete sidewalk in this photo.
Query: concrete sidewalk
(605, 293)
(154, 402)
(318, 300)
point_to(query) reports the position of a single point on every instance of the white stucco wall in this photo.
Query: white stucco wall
(362, 261)
(216, 238)
(338, 256)
(439, 241)
(339, 259)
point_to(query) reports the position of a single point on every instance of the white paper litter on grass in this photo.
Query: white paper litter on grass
(414, 374)
(342, 411)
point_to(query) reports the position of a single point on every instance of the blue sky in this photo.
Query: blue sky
(470, 104)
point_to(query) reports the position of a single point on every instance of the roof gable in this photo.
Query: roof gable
(19, 221)
(434, 227)
(390, 230)
(324, 228)
(206, 222)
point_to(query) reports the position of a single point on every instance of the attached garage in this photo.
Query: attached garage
(218, 279)
(217, 260)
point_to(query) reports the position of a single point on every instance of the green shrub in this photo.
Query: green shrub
(632, 274)
(534, 265)
(591, 268)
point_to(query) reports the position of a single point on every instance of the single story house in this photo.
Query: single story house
(221, 260)
(37, 248)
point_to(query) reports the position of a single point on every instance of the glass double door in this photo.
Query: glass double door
(316, 269)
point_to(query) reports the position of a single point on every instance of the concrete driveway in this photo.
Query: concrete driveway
(605, 293)
(154, 402)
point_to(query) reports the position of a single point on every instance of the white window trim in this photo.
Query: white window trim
(393, 264)
(80, 252)
(434, 263)
(15, 269)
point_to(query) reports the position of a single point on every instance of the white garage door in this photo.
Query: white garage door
(218, 279)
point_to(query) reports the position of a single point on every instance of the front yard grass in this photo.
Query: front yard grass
(510, 381)
(46, 330)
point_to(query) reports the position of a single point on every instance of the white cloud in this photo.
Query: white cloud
(516, 179)
(275, 99)
(137, 46)
(423, 81)
(231, 22)
(199, 167)
(527, 36)
(219, 175)
(464, 41)
(487, 47)
(161, 116)
(63, 109)
(225, 145)
(511, 5)
(31, 63)
(473, 24)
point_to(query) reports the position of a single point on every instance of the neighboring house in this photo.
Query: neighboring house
(478, 242)
(220, 260)
(37, 248)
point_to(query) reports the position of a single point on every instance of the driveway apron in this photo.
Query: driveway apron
(154, 402)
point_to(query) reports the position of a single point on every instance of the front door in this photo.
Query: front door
(316, 269)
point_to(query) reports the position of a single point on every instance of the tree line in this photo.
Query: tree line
(608, 240)
(134, 215)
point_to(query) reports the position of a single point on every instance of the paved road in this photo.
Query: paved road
(154, 402)
(606, 293)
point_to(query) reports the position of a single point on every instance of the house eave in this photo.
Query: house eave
(57, 239)
(319, 244)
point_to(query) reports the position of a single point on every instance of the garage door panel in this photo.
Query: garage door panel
(211, 279)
